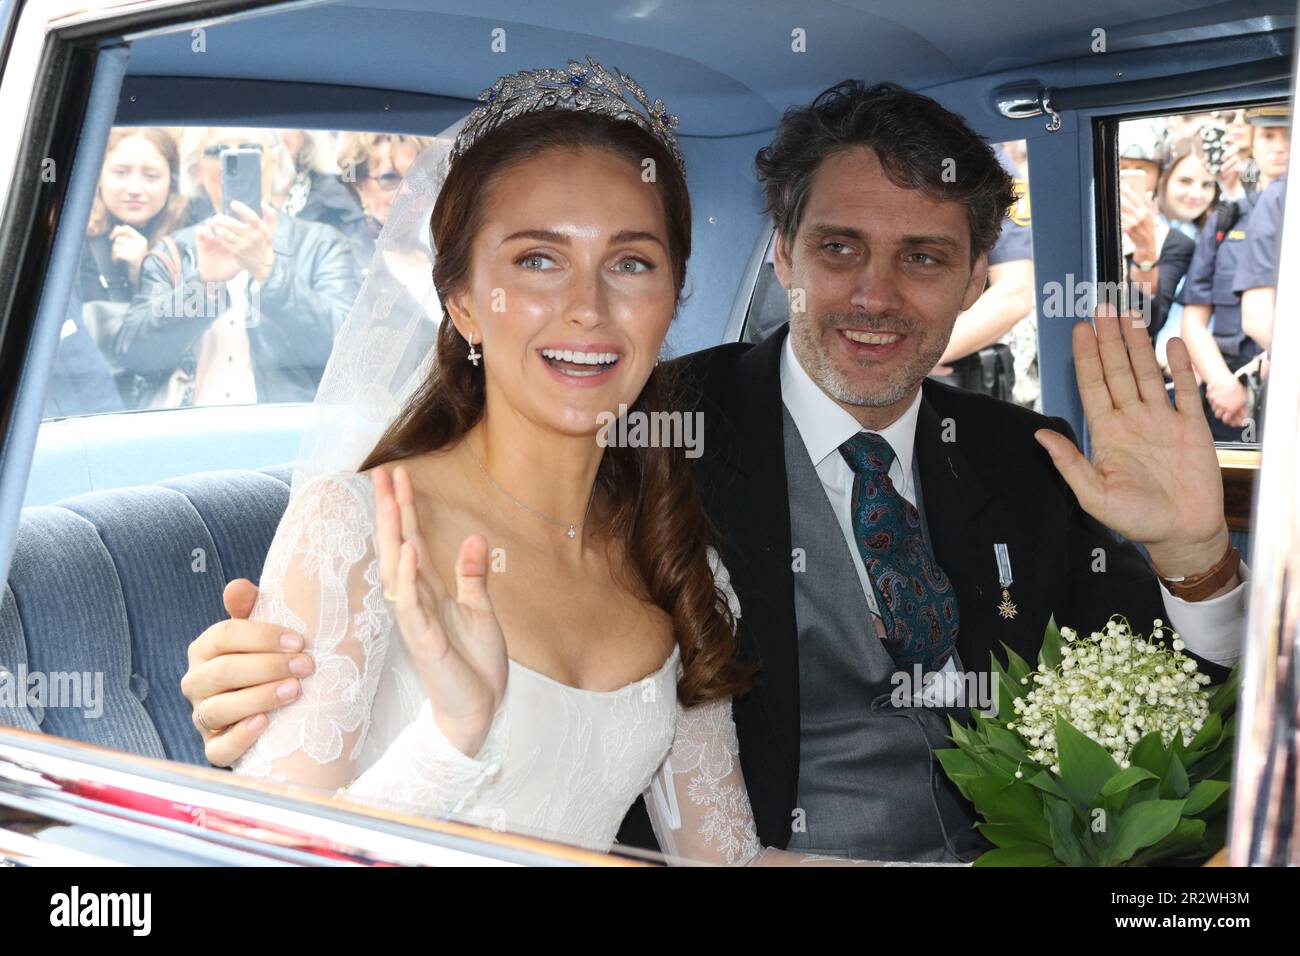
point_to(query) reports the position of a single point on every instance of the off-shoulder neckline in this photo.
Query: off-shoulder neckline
(672, 658)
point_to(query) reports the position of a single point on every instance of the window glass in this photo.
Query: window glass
(1201, 200)
(177, 305)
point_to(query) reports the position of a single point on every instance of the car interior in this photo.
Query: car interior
(119, 529)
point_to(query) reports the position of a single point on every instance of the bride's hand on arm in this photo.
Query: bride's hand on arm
(455, 640)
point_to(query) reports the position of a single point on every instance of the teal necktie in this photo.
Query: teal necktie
(917, 603)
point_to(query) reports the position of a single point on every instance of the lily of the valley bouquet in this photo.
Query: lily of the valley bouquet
(1113, 751)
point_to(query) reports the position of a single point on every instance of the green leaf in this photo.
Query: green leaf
(1050, 652)
(1017, 666)
(1143, 825)
(1225, 695)
(1018, 856)
(1216, 765)
(1209, 734)
(1174, 784)
(1204, 795)
(1085, 764)
(1008, 689)
(956, 761)
(1128, 777)
(1020, 804)
(1131, 785)
(960, 734)
(1047, 781)
(1187, 839)
(1007, 742)
(1150, 753)
(1008, 834)
(1065, 843)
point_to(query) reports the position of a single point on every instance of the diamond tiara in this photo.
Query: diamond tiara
(589, 89)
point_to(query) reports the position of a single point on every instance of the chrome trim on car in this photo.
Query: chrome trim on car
(211, 816)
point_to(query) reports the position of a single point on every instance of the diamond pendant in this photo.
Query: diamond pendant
(572, 532)
(1006, 608)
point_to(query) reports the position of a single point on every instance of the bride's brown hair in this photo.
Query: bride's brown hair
(653, 507)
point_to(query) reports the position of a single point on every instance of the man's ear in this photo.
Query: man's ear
(781, 261)
(979, 274)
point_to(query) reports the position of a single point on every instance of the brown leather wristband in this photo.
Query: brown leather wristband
(1197, 587)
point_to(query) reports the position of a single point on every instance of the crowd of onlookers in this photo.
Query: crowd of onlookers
(1201, 201)
(182, 301)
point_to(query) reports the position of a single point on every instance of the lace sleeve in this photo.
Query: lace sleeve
(321, 580)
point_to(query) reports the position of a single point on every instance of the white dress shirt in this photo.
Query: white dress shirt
(223, 358)
(1212, 628)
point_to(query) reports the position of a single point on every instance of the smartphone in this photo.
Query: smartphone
(241, 178)
(1136, 178)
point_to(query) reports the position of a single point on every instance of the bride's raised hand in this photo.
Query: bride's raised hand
(455, 640)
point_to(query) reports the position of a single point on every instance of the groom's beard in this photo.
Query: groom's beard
(865, 382)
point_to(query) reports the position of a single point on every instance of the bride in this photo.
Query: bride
(510, 622)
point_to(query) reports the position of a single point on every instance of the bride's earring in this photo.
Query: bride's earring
(474, 354)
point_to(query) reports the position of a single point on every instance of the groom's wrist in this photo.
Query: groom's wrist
(1198, 571)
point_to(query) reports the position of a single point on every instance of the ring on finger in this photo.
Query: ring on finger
(198, 717)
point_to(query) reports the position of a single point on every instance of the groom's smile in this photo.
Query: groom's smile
(877, 273)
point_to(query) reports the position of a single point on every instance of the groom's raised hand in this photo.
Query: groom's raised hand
(1154, 475)
(238, 671)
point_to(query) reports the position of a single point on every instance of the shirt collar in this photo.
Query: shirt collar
(824, 425)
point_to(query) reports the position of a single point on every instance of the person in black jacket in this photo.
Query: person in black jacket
(138, 201)
(238, 310)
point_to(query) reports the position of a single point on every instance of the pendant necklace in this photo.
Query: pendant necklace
(570, 528)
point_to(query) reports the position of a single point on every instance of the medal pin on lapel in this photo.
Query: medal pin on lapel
(1006, 608)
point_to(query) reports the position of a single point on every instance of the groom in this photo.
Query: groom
(877, 523)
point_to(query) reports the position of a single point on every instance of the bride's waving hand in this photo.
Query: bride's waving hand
(325, 577)
(455, 641)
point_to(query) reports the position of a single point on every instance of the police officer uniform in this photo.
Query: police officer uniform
(1257, 264)
(1212, 275)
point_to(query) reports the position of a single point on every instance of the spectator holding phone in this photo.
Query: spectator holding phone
(243, 306)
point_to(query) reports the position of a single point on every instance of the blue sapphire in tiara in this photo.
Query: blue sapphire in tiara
(587, 87)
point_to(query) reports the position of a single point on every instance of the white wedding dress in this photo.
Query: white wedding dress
(559, 762)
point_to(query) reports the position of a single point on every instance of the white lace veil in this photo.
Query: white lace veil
(385, 349)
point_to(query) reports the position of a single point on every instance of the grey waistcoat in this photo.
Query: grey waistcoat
(869, 786)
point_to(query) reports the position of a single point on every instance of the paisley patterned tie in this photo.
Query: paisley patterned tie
(917, 603)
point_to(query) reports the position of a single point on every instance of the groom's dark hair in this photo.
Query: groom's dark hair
(920, 145)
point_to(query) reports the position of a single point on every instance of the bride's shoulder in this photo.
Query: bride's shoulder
(334, 493)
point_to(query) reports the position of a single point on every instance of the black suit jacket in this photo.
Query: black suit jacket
(993, 483)
(1175, 258)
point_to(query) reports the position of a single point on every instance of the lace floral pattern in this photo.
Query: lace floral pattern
(323, 552)
(558, 762)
